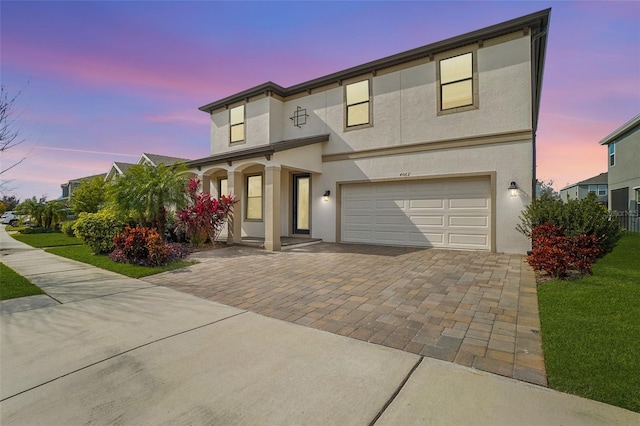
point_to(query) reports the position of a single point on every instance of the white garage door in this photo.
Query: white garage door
(436, 213)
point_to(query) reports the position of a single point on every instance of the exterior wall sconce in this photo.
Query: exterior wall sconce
(326, 194)
(513, 189)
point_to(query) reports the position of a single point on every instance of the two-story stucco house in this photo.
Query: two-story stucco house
(416, 149)
(594, 185)
(623, 152)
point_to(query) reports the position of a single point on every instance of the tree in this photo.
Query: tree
(148, 192)
(10, 202)
(53, 212)
(89, 197)
(544, 189)
(9, 136)
(33, 208)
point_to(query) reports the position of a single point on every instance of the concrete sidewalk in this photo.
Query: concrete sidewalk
(117, 353)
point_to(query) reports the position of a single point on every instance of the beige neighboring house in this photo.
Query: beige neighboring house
(623, 147)
(594, 185)
(419, 148)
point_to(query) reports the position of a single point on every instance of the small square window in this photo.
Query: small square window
(236, 124)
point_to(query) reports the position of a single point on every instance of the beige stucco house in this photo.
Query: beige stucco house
(623, 153)
(415, 149)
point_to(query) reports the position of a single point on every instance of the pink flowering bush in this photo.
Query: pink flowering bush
(205, 216)
(144, 246)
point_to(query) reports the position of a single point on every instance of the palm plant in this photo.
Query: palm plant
(53, 212)
(148, 192)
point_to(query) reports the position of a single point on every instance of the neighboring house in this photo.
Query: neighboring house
(596, 185)
(117, 169)
(68, 187)
(155, 159)
(623, 147)
(415, 149)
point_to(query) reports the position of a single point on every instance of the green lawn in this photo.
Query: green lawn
(54, 239)
(83, 253)
(15, 285)
(591, 329)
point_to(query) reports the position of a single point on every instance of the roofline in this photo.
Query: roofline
(585, 181)
(260, 151)
(538, 21)
(620, 131)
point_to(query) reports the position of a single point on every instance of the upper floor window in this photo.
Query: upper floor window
(254, 198)
(236, 124)
(456, 81)
(593, 189)
(358, 103)
(612, 154)
(602, 190)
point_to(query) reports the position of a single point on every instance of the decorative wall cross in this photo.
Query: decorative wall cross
(299, 117)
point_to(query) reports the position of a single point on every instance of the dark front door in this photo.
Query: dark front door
(301, 207)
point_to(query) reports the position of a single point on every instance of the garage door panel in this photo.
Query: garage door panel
(427, 220)
(448, 214)
(472, 221)
(469, 240)
(437, 203)
(390, 204)
(468, 203)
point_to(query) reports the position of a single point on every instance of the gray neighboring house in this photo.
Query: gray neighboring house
(155, 159)
(117, 169)
(68, 187)
(577, 191)
(623, 147)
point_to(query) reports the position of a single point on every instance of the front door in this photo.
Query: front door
(301, 208)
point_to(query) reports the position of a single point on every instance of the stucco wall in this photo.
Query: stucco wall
(510, 161)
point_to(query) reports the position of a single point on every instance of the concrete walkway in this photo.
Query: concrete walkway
(117, 352)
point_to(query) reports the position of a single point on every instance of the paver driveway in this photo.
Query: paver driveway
(473, 308)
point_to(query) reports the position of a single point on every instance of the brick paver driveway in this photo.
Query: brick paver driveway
(473, 308)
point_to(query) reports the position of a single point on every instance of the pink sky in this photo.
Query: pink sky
(107, 81)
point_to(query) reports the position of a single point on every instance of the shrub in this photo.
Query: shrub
(144, 246)
(67, 228)
(205, 216)
(37, 230)
(557, 254)
(575, 218)
(97, 230)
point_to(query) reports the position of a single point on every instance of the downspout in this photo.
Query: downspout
(535, 111)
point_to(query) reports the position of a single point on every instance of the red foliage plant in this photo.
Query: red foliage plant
(205, 216)
(557, 254)
(143, 246)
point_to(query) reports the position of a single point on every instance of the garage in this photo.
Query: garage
(451, 213)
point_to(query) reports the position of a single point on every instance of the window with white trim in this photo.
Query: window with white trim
(236, 124)
(612, 154)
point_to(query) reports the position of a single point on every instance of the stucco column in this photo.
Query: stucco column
(272, 208)
(205, 183)
(234, 224)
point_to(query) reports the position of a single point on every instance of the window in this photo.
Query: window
(593, 189)
(358, 103)
(222, 187)
(456, 83)
(602, 190)
(236, 124)
(254, 197)
(612, 154)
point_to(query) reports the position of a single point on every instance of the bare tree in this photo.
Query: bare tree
(9, 136)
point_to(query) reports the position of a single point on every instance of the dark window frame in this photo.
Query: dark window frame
(369, 103)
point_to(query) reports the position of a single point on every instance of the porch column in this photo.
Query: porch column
(205, 183)
(234, 224)
(272, 208)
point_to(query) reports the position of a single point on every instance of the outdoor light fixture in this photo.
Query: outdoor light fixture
(513, 189)
(326, 194)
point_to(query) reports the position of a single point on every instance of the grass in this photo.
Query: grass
(83, 254)
(15, 285)
(591, 329)
(54, 239)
